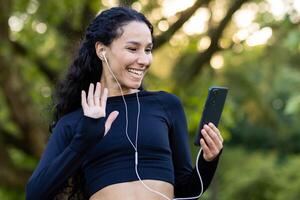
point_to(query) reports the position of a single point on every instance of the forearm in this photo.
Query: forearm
(46, 181)
(191, 186)
(59, 162)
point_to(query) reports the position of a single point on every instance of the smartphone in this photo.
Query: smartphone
(212, 110)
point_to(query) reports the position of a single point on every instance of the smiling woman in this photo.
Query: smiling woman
(140, 150)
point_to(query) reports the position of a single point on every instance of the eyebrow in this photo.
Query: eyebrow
(137, 43)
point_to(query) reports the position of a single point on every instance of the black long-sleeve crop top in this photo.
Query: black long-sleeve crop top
(77, 143)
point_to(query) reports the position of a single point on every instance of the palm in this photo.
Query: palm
(94, 105)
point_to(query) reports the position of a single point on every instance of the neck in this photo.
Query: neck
(113, 88)
(116, 91)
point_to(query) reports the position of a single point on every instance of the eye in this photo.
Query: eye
(148, 50)
(132, 49)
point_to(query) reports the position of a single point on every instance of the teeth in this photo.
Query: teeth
(135, 71)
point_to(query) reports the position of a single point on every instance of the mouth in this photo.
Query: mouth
(136, 72)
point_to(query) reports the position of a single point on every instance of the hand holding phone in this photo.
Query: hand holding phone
(212, 110)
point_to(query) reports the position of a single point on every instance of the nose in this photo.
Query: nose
(144, 58)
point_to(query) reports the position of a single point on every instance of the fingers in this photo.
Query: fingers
(97, 94)
(93, 99)
(110, 119)
(104, 98)
(214, 135)
(83, 100)
(216, 130)
(90, 98)
(95, 104)
(212, 141)
(207, 154)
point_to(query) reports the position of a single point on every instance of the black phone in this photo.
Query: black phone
(212, 110)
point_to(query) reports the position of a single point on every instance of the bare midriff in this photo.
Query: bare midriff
(135, 191)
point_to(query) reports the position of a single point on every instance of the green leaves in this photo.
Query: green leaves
(258, 176)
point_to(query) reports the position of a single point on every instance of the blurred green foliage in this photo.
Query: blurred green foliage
(260, 122)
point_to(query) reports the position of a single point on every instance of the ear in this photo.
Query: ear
(100, 49)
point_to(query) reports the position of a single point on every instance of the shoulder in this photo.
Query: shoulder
(161, 95)
(170, 102)
(172, 106)
(168, 99)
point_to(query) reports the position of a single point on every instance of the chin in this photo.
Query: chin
(135, 85)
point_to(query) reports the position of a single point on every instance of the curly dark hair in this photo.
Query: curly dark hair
(85, 69)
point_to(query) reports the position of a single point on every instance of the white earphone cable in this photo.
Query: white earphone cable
(125, 104)
(135, 146)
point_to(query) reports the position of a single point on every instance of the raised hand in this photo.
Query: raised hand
(212, 141)
(94, 105)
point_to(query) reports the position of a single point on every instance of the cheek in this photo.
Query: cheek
(126, 58)
(150, 59)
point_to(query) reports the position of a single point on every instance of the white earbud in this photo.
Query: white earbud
(103, 54)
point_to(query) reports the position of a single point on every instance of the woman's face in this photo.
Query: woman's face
(129, 55)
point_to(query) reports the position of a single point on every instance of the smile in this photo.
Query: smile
(136, 71)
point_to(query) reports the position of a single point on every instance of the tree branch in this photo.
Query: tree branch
(51, 75)
(126, 2)
(23, 111)
(66, 28)
(183, 17)
(215, 35)
(18, 143)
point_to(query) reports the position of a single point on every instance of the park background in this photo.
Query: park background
(250, 46)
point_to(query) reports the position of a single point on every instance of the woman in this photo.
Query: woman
(140, 150)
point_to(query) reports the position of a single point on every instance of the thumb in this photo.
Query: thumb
(110, 119)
